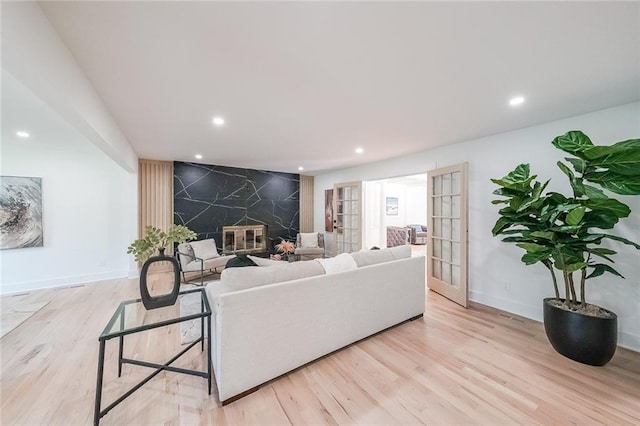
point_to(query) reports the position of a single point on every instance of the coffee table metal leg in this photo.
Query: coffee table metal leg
(121, 347)
(96, 413)
(209, 351)
(202, 325)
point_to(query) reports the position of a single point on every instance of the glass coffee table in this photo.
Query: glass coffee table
(131, 317)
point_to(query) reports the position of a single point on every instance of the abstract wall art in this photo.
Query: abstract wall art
(20, 212)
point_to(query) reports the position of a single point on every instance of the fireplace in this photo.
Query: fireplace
(244, 239)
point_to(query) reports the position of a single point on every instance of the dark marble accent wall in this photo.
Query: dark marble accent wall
(207, 197)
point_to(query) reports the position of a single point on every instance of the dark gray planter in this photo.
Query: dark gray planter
(583, 338)
(154, 302)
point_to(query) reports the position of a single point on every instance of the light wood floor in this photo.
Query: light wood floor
(454, 366)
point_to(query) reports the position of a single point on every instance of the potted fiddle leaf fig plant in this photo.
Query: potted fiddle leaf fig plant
(565, 233)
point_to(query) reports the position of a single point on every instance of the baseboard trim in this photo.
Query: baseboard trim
(21, 287)
(625, 340)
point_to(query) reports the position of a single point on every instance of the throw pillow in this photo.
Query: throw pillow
(186, 254)
(261, 261)
(205, 249)
(341, 263)
(309, 240)
(239, 262)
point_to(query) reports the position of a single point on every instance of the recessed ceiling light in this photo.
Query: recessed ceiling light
(198, 156)
(359, 150)
(218, 121)
(300, 168)
(516, 101)
(22, 134)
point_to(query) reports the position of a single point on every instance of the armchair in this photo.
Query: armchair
(309, 245)
(397, 236)
(200, 256)
(418, 234)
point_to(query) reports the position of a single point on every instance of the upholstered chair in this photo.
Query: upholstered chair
(418, 234)
(397, 236)
(310, 245)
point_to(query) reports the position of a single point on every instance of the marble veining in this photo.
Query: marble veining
(208, 197)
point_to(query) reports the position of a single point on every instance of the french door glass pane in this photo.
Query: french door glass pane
(446, 273)
(437, 185)
(437, 206)
(446, 229)
(437, 248)
(446, 184)
(446, 251)
(437, 228)
(455, 276)
(455, 183)
(455, 253)
(437, 266)
(455, 206)
(446, 206)
(455, 229)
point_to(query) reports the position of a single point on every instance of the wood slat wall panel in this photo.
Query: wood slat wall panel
(306, 203)
(155, 194)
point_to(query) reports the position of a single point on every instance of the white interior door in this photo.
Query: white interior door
(347, 221)
(447, 232)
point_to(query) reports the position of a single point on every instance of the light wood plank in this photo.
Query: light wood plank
(454, 366)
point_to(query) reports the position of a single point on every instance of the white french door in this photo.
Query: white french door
(347, 221)
(447, 211)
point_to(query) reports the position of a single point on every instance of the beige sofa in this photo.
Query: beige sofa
(270, 320)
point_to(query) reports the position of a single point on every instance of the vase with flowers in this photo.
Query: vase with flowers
(285, 247)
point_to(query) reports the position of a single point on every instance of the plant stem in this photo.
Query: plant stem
(567, 292)
(553, 277)
(583, 279)
(574, 297)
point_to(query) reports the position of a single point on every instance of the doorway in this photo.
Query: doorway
(399, 202)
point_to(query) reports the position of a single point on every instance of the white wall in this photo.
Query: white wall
(89, 201)
(496, 275)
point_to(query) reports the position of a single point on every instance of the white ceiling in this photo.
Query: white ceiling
(306, 83)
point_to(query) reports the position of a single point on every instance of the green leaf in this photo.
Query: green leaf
(622, 240)
(501, 224)
(545, 235)
(578, 164)
(573, 142)
(615, 182)
(601, 268)
(532, 258)
(609, 205)
(575, 216)
(573, 267)
(532, 247)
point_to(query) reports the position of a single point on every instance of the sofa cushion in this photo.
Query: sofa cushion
(205, 249)
(243, 278)
(341, 263)
(309, 240)
(371, 257)
(309, 250)
(401, 252)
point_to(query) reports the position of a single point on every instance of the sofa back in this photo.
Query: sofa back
(263, 332)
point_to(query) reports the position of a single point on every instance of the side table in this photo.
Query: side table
(131, 317)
